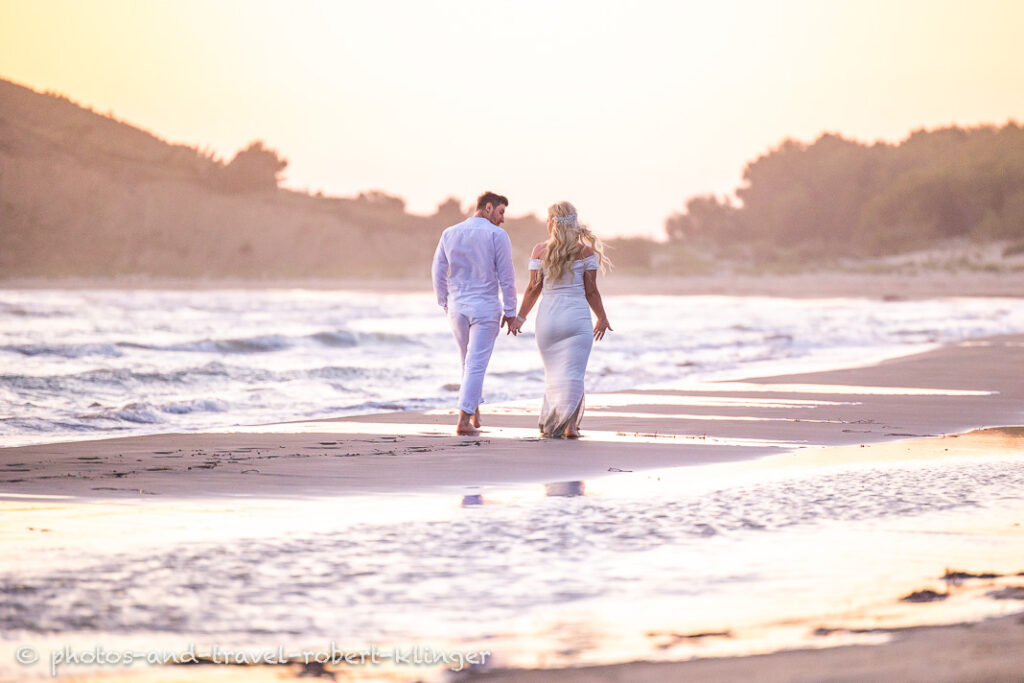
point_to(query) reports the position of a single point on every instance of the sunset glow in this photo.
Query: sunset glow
(624, 109)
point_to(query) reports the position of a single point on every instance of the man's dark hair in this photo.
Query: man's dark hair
(490, 198)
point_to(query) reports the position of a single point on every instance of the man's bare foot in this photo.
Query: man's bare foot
(467, 425)
(466, 430)
(476, 418)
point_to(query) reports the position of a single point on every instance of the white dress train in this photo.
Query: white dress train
(565, 335)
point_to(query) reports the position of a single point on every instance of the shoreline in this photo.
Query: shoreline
(923, 284)
(965, 387)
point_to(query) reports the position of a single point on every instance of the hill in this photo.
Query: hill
(82, 194)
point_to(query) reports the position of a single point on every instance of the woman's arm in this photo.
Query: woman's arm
(533, 289)
(531, 294)
(594, 299)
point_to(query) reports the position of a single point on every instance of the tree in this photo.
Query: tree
(842, 197)
(254, 169)
(449, 211)
(382, 200)
(707, 219)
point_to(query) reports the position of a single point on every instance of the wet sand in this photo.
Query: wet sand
(987, 651)
(942, 392)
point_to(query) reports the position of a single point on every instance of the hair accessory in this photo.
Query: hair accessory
(570, 218)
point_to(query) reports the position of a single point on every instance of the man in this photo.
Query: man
(472, 262)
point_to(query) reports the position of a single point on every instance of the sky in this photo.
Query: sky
(625, 109)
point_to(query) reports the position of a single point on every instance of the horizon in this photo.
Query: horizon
(405, 113)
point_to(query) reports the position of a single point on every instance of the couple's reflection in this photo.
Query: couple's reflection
(565, 489)
(471, 499)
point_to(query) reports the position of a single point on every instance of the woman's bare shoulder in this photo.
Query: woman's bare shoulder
(539, 250)
(587, 251)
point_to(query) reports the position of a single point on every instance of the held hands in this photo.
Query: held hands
(513, 324)
(601, 327)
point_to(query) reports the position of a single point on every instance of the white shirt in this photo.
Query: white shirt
(473, 258)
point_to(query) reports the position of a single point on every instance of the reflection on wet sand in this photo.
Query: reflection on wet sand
(565, 489)
(803, 549)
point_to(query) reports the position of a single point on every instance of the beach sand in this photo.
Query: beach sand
(987, 651)
(807, 417)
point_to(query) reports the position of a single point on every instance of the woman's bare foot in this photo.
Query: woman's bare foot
(571, 433)
(476, 418)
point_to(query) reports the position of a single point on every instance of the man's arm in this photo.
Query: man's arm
(439, 273)
(506, 273)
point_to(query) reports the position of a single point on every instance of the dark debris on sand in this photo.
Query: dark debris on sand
(1007, 593)
(954, 575)
(924, 596)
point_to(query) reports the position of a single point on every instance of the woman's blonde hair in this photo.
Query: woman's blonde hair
(565, 241)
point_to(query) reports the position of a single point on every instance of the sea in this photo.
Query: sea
(94, 363)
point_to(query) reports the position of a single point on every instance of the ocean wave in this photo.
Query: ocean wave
(119, 377)
(176, 376)
(125, 377)
(13, 309)
(198, 405)
(277, 342)
(346, 338)
(20, 425)
(388, 338)
(122, 416)
(340, 338)
(137, 412)
(921, 334)
(388, 406)
(18, 310)
(336, 372)
(199, 376)
(532, 373)
(258, 344)
(65, 350)
(375, 405)
(33, 382)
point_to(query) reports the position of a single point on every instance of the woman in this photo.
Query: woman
(565, 269)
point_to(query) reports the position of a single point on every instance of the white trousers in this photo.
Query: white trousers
(475, 337)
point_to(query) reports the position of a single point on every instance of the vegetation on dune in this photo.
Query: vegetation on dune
(837, 197)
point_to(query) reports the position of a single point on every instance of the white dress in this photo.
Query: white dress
(565, 335)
